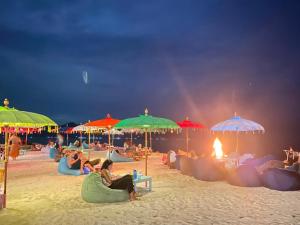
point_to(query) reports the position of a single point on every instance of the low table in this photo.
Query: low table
(143, 179)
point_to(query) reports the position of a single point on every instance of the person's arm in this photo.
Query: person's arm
(106, 176)
(71, 160)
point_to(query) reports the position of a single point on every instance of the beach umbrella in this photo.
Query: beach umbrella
(238, 125)
(107, 123)
(188, 124)
(113, 132)
(147, 123)
(17, 119)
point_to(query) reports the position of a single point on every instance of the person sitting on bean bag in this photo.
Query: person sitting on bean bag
(77, 161)
(116, 182)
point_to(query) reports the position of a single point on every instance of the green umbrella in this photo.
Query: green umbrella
(13, 118)
(147, 123)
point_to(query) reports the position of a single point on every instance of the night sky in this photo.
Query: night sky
(78, 60)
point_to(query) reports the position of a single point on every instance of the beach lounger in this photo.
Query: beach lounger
(94, 191)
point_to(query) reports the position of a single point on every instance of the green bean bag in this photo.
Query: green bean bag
(94, 191)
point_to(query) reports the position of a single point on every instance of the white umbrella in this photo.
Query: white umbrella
(237, 124)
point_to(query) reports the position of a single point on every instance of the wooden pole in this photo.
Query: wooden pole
(187, 139)
(5, 167)
(146, 152)
(108, 136)
(150, 139)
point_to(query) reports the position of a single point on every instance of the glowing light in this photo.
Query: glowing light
(218, 149)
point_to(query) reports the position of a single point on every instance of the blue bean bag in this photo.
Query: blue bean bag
(281, 179)
(245, 176)
(85, 145)
(259, 161)
(207, 169)
(52, 153)
(177, 162)
(115, 157)
(63, 168)
(186, 165)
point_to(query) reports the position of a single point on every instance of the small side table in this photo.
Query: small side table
(143, 179)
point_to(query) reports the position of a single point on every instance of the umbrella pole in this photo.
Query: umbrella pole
(150, 139)
(109, 137)
(187, 139)
(237, 142)
(131, 138)
(146, 152)
(26, 136)
(67, 139)
(89, 136)
(5, 168)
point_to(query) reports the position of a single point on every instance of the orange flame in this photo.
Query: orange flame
(218, 149)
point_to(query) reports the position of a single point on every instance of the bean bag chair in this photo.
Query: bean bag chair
(63, 168)
(85, 145)
(259, 161)
(245, 176)
(177, 162)
(94, 191)
(207, 170)
(281, 179)
(186, 165)
(52, 153)
(116, 157)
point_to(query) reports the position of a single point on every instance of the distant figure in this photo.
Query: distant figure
(77, 143)
(60, 140)
(15, 145)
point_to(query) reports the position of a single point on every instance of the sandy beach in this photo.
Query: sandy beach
(37, 194)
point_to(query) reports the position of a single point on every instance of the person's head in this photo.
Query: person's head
(107, 165)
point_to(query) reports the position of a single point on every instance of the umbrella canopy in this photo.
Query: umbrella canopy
(84, 128)
(10, 117)
(237, 124)
(147, 123)
(106, 123)
(190, 124)
(187, 124)
(113, 132)
(13, 118)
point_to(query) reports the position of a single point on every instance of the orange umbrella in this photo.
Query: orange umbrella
(106, 123)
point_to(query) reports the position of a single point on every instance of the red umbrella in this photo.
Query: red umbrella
(106, 123)
(187, 124)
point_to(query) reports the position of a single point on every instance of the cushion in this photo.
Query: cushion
(94, 191)
(207, 169)
(245, 176)
(186, 166)
(115, 157)
(63, 168)
(281, 179)
(85, 145)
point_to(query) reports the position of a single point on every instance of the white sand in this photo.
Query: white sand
(37, 194)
